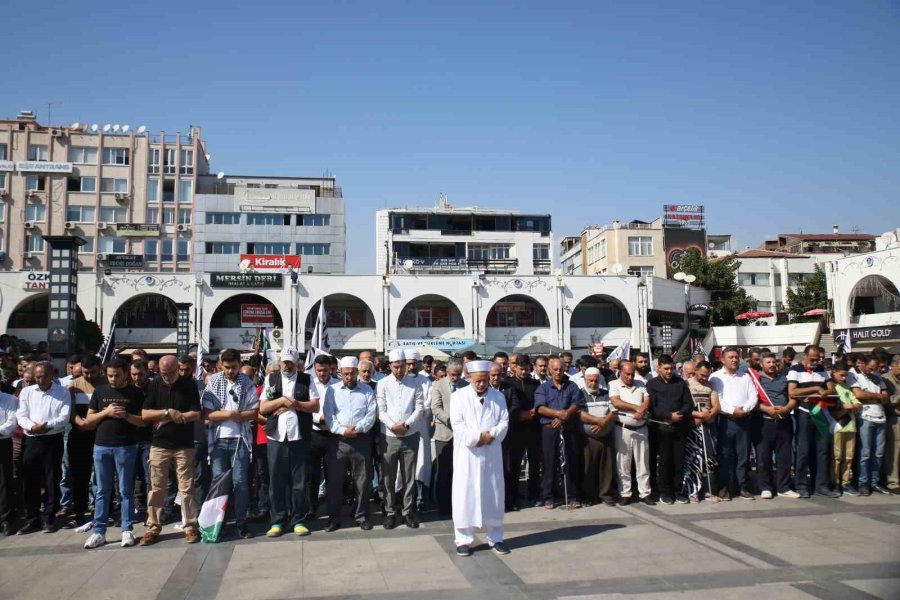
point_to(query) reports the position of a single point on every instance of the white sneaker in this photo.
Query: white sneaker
(766, 495)
(788, 494)
(128, 539)
(95, 541)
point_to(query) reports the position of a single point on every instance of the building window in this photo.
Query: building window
(81, 184)
(153, 162)
(184, 217)
(112, 245)
(187, 163)
(777, 279)
(764, 306)
(183, 250)
(83, 155)
(488, 251)
(268, 219)
(2, 180)
(169, 164)
(223, 248)
(640, 246)
(152, 190)
(34, 243)
(80, 214)
(115, 156)
(596, 251)
(795, 279)
(168, 216)
(268, 248)
(641, 271)
(540, 252)
(111, 214)
(168, 191)
(2, 217)
(150, 250)
(113, 185)
(3, 151)
(745, 279)
(166, 254)
(35, 183)
(88, 247)
(37, 152)
(314, 220)
(35, 212)
(152, 217)
(313, 249)
(223, 218)
(185, 190)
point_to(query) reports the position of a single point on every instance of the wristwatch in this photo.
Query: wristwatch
(165, 412)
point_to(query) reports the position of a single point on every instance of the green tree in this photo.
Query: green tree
(728, 299)
(89, 335)
(811, 293)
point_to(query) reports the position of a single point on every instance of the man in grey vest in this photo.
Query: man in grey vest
(443, 434)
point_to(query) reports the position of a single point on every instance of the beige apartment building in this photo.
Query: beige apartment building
(124, 190)
(637, 246)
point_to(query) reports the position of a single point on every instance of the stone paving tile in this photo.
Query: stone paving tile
(117, 577)
(887, 589)
(637, 547)
(36, 582)
(264, 571)
(774, 591)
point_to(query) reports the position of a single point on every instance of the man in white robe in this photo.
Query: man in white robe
(479, 420)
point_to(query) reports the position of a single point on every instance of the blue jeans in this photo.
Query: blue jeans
(871, 451)
(110, 461)
(222, 455)
(733, 447)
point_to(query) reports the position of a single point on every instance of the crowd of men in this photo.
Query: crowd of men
(139, 439)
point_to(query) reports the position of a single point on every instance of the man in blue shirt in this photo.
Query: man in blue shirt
(558, 402)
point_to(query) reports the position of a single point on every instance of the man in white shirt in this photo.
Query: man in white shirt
(423, 428)
(288, 401)
(737, 399)
(870, 389)
(629, 397)
(400, 406)
(321, 379)
(43, 413)
(8, 424)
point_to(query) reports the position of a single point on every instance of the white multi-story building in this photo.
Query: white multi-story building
(448, 239)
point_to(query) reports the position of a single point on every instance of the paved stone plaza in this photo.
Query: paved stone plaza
(847, 548)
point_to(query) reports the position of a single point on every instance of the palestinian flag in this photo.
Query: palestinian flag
(212, 513)
(822, 419)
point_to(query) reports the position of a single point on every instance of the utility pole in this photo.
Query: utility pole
(50, 104)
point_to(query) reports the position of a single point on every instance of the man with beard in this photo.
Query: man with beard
(524, 434)
(81, 438)
(441, 393)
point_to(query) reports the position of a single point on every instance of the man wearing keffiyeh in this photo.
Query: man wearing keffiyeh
(231, 405)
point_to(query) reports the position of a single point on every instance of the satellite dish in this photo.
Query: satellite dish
(94, 128)
(407, 264)
(679, 276)
(220, 175)
(75, 126)
(244, 265)
(142, 129)
(690, 279)
(85, 127)
(616, 268)
(106, 128)
(208, 157)
(125, 128)
(116, 128)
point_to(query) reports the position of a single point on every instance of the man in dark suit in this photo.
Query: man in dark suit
(441, 392)
(524, 433)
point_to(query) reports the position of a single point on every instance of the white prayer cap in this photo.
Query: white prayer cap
(478, 366)
(591, 371)
(348, 362)
(395, 355)
(412, 354)
(289, 354)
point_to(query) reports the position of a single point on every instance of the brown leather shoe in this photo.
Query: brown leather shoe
(191, 536)
(149, 537)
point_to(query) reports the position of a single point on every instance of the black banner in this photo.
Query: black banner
(125, 261)
(868, 335)
(677, 241)
(270, 281)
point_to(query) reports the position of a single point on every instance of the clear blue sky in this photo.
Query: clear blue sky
(778, 116)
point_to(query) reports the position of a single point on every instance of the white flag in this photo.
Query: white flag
(319, 342)
(622, 351)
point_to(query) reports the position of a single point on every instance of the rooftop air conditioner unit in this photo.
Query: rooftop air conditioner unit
(277, 334)
(29, 224)
(102, 225)
(69, 225)
(56, 132)
(30, 194)
(121, 198)
(184, 227)
(101, 257)
(32, 254)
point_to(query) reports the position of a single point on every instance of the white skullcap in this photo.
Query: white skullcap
(289, 354)
(478, 366)
(395, 355)
(348, 362)
(412, 354)
(591, 371)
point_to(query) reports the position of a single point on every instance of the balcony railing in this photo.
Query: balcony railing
(541, 266)
(455, 265)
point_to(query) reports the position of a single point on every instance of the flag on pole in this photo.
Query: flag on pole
(699, 350)
(847, 346)
(264, 351)
(622, 351)
(212, 513)
(760, 392)
(202, 350)
(319, 342)
(108, 349)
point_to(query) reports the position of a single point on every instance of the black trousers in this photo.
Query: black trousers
(259, 480)
(524, 443)
(813, 454)
(42, 466)
(598, 467)
(288, 465)
(357, 454)
(773, 436)
(444, 476)
(318, 448)
(669, 445)
(552, 467)
(6, 480)
(81, 462)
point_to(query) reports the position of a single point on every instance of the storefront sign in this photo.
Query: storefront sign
(437, 343)
(137, 230)
(443, 261)
(36, 281)
(257, 315)
(264, 262)
(7, 165)
(271, 281)
(684, 215)
(870, 335)
(39, 166)
(125, 261)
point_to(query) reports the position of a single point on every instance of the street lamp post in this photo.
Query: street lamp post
(688, 280)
